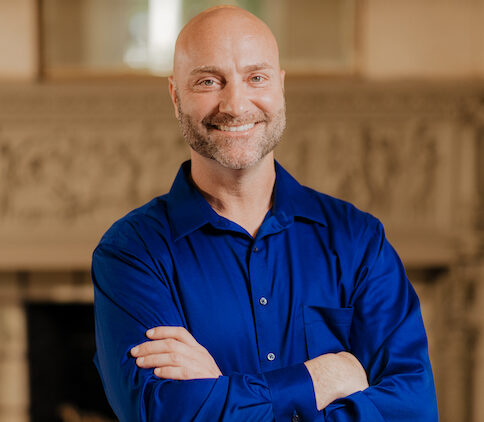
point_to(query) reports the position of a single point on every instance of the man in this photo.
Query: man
(242, 295)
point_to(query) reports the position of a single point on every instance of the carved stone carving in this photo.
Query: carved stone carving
(73, 171)
(78, 154)
(75, 158)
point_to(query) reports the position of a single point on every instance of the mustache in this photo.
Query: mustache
(228, 120)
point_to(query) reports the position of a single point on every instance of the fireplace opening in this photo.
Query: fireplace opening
(64, 384)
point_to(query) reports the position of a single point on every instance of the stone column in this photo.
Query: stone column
(442, 293)
(478, 357)
(14, 392)
(477, 311)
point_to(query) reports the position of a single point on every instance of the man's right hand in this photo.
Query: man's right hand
(335, 376)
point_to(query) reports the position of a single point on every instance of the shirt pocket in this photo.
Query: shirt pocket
(327, 330)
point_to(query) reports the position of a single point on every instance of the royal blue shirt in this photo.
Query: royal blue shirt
(319, 277)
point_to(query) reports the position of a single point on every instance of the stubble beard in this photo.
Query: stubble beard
(233, 152)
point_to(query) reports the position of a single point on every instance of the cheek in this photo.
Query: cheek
(199, 106)
(270, 102)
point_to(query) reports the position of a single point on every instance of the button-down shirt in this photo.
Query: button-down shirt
(319, 277)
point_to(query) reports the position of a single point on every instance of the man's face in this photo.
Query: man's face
(228, 93)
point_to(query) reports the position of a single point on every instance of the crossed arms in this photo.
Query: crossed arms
(175, 354)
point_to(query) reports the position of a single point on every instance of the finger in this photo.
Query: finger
(182, 373)
(173, 372)
(178, 333)
(159, 346)
(161, 359)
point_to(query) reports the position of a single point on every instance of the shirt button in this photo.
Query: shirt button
(263, 301)
(256, 249)
(271, 356)
(295, 418)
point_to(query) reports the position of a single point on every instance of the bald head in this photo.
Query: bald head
(227, 88)
(217, 30)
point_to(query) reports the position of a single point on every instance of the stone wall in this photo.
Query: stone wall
(75, 157)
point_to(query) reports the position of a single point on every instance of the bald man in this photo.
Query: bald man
(241, 295)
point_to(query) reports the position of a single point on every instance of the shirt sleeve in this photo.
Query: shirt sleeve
(131, 296)
(388, 338)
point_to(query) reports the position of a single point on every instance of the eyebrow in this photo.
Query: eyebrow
(215, 69)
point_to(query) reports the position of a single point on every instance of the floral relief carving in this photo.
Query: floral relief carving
(78, 154)
(67, 173)
(391, 169)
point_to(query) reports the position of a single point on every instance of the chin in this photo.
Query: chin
(237, 162)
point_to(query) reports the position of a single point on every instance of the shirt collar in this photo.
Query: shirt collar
(188, 210)
(292, 200)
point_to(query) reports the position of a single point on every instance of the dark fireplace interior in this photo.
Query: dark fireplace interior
(64, 384)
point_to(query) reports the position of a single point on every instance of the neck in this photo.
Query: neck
(243, 196)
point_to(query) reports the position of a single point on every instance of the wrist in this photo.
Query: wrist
(334, 376)
(326, 391)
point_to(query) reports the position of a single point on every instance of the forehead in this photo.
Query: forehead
(225, 43)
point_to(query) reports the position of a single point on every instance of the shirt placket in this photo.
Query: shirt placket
(264, 306)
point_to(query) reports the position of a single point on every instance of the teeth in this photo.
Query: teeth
(236, 128)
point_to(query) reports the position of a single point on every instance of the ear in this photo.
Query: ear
(283, 76)
(172, 90)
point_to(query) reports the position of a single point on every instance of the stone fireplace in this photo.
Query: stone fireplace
(74, 157)
(47, 347)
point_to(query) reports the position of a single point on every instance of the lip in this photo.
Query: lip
(234, 133)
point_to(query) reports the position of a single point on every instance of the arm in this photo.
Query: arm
(131, 296)
(173, 353)
(335, 376)
(388, 338)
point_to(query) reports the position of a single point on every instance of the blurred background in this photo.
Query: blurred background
(385, 106)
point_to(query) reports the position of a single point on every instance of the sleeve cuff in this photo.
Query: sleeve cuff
(292, 393)
(355, 404)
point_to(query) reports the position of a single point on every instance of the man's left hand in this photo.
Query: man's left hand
(175, 354)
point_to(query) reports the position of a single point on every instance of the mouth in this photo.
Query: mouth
(240, 128)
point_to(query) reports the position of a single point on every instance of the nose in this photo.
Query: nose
(235, 100)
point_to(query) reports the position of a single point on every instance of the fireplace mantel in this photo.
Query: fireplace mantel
(76, 157)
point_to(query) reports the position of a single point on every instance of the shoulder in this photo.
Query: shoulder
(356, 236)
(140, 227)
(342, 217)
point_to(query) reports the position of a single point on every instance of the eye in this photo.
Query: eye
(207, 82)
(256, 78)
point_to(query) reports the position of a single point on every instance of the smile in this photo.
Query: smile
(241, 128)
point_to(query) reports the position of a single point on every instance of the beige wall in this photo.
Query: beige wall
(18, 40)
(423, 39)
(399, 39)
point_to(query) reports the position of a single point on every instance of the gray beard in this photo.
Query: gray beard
(204, 145)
